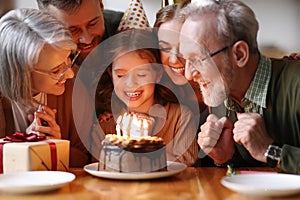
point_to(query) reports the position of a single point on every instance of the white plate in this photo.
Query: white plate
(173, 168)
(34, 181)
(272, 185)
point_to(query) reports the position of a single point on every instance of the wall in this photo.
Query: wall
(5, 6)
(24, 3)
(279, 25)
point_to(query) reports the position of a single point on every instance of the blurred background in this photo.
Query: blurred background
(279, 32)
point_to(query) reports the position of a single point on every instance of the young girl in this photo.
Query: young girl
(136, 74)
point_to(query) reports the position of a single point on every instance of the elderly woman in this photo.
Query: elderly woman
(35, 65)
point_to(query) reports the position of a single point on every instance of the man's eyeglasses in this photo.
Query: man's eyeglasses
(198, 61)
(59, 74)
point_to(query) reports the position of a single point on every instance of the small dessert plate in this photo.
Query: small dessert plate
(34, 181)
(263, 185)
(173, 168)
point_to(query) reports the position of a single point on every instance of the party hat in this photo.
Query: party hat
(165, 3)
(134, 17)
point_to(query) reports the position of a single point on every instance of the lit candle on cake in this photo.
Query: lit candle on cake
(125, 124)
(118, 127)
(134, 127)
(145, 128)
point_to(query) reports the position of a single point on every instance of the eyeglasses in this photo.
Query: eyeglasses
(215, 53)
(59, 74)
(198, 61)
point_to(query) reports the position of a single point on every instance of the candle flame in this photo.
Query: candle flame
(132, 125)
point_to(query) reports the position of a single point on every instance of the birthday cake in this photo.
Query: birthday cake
(133, 149)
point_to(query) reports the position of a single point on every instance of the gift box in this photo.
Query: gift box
(51, 155)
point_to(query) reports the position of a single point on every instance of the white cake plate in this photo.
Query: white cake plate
(34, 181)
(263, 185)
(173, 169)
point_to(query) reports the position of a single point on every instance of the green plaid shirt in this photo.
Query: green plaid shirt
(256, 95)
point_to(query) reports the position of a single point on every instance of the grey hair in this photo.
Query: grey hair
(235, 20)
(23, 34)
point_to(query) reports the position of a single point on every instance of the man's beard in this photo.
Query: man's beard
(220, 87)
(215, 96)
(96, 41)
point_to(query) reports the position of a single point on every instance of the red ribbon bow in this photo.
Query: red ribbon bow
(32, 137)
(23, 137)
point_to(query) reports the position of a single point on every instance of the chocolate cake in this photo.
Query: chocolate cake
(132, 152)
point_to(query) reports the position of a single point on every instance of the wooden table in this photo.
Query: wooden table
(193, 183)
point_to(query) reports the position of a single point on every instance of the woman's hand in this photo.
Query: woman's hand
(44, 122)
